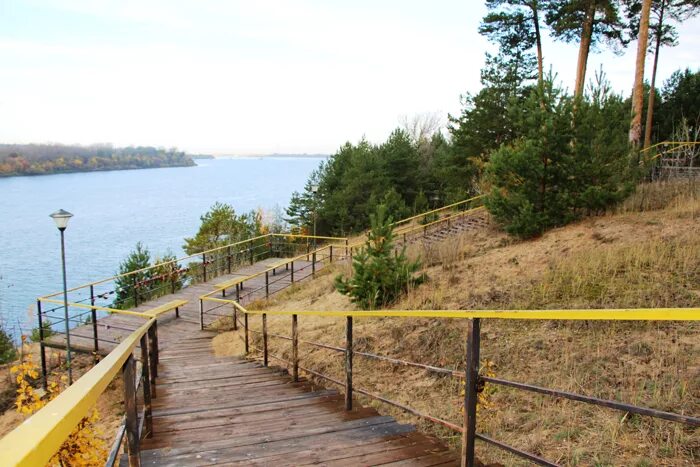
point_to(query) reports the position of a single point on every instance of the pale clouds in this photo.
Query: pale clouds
(247, 77)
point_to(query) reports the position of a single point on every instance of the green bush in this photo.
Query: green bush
(380, 273)
(36, 337)
(8, 350)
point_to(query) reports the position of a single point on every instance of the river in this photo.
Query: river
(114, 210)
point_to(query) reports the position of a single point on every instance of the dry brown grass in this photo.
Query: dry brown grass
(630, 259)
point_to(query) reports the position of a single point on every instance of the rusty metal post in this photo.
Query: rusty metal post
(235, 318)
(204, 267)
(201, 314)
(146, 376)
(252, 259)
(348, 363)
(292, 272)
(42, 349)
(245, 325)
(132, 422)
(136, 292)
(330, 249)
(295, 349)
(264, 331)
(308, 249)
(313, 264)
(93, 315)
(267, 284)
(228, 250)
(470, 391)
(238, 291)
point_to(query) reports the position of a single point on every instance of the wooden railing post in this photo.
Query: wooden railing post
(267, 284)
(295, 349)
(132, 422)
(470, 391)
(204, 267)
(93, 315)
(42, 349)
(348, 363)
(201, 314)
(264, 330)
(245, 325)
(146, 378)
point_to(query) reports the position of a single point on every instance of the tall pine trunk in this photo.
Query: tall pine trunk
(538, 41)
(652, 90)
(584, 49)
(635, 134)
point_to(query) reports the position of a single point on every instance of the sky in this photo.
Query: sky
(254, 77)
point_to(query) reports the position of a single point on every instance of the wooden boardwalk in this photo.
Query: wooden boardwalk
(212, 410)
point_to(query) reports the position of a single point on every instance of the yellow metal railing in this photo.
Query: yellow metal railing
(35, 441)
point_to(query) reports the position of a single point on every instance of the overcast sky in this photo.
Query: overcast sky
(252, 77)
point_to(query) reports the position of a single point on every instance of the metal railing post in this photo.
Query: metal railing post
(151, 361)
(42, 349)
(235, 318)
(346, 248)
(348, 363)
(93, 315)
(201, 314)
(267, 284)
(295, 349)
(264, 330)
(313, 264)
(146, 377)
(330, 249)
(292, 272)
(238, 291)
(132, 422)
(204, 267)
(245, 325)
(470, 391)
(252, 260)
(229, 259)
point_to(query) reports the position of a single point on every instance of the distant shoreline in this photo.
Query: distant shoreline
(105, 169)
(264, 156)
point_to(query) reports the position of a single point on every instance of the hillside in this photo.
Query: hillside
(647, 254)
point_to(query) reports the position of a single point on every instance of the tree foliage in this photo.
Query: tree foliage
(222, 226)
(564, 164)
(380, 273)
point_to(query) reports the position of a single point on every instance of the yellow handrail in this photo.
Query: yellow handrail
(35, 441)
(611, 314)
(435, 211)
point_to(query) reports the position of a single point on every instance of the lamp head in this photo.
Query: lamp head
(61, 218)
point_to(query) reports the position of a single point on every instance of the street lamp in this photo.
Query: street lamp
(314, 190)
(61, 219)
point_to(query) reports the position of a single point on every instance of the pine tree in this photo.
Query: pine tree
(380, 273)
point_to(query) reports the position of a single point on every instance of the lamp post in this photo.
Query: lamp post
(61, 219)
(314, 190)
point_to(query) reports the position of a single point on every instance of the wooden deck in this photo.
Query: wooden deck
(113, 328)
(228, 410)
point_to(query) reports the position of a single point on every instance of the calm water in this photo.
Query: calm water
(113, 211)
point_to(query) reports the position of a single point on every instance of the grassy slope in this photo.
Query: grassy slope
(632, 258)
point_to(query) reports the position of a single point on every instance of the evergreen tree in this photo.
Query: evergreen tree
(133, 287)
(222, 226)
(380, 273)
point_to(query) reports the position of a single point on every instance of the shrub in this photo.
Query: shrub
(8, 351)
(380, 272)
(35, 336)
